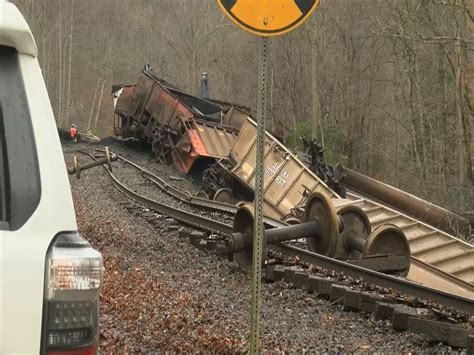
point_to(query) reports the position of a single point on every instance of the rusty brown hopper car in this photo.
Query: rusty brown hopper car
(438, 259)
(181, 128)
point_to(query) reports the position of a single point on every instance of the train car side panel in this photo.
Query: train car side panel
(201, 140)
(286, 181)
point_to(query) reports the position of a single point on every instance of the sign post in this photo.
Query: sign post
(258, 226)
(264, 18)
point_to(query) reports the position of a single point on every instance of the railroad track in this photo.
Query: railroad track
(413, 289)
(185, 217)
(269, 222)
(186, 197)
(450, 260)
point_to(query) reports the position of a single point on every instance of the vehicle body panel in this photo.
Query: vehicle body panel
(23, 252)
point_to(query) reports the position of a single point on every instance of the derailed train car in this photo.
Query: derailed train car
(288, 183)
(287, 180)
(365, 229)
(181, 128)
(186, 129)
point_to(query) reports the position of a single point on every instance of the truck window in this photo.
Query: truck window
(20, 187)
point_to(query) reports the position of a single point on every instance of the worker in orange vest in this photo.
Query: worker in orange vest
(73, 133)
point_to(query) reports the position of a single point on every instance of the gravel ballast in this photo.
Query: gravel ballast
(161, 293)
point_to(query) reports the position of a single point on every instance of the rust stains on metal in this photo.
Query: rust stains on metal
(180, 128)
(183, 129)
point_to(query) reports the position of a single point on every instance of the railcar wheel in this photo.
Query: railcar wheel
(319, 208)
(203, 195)
(224, 195)
(355, 222)
(243, 223)
(389, 240)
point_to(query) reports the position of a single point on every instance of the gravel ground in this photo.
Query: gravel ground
(161, 293)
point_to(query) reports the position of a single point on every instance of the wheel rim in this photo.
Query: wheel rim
(319, 208)
(389, 239)
(224, 195)
(356, 223)
(243, 223)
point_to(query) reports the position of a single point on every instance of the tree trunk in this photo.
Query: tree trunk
(463, 121)
(316, 104)
(93, 104)
(272, 120)
(99, 105)
(68, 92)
(43, 46)
(60, 86)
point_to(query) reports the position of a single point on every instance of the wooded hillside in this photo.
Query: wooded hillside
(387, 85)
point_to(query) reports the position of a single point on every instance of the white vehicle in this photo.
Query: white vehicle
(50, 277)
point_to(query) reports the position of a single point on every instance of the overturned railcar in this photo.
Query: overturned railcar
(287, 180)
(186, 130)
(180, 128)
(438, 259)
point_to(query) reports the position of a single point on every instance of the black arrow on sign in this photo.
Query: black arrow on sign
(304, 5)
(228, 4)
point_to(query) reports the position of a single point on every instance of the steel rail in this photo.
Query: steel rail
(383, 280)
(388, 281)
(195, 201)
(184, 217)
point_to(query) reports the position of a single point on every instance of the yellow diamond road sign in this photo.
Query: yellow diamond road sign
(268, 17)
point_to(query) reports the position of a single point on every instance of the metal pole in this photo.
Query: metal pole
(258, 225)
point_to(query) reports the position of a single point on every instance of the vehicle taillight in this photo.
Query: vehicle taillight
(73, 280)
